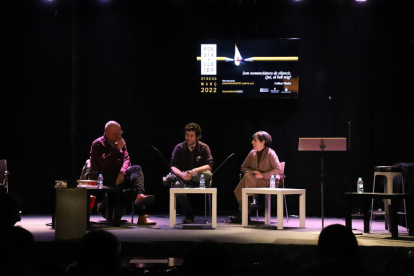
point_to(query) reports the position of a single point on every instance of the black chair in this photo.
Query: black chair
(86, 175)
(4, 181)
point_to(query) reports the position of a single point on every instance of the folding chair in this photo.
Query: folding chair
(4, 181)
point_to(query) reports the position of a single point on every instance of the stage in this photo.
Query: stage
(279, 252)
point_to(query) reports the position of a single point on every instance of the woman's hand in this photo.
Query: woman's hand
(258, 174)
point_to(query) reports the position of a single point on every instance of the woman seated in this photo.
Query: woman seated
(261, 163)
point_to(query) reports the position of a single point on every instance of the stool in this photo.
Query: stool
(389, 172)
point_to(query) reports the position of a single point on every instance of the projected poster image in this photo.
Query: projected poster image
(249, 68)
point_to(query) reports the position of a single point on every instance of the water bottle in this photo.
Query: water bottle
(100, 181)
(273, 182)
(202, 181)
(360, 186)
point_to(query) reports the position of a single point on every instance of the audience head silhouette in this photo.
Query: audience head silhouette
(337, 249)
(99, 254)
(207, 258)
(10, 208)
(338, 241)
(338, 254)
(17, 251)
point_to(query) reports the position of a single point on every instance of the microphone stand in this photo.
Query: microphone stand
(168, 165)
(349, 156)
(349, 144)
(349, 151)
(211, 183)
(192, 167)
(322, 147)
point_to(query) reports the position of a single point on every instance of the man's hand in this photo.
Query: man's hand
(120, 144)
(186, 175)
(192, 172)
(120, 179)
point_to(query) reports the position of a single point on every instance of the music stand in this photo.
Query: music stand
(322, 144)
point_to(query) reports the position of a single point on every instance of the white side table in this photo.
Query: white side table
(173, 202)
(279, 192)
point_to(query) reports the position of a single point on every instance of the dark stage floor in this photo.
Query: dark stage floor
(257, 232)
(279, 252)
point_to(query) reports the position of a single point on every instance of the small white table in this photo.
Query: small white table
(279, 192)
(173, 204)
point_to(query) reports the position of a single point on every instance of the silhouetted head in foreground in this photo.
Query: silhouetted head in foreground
(10, 208)
(338, 254)
(17, 251)
(338, 241)
(99, 254)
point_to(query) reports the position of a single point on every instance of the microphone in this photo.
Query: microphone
(223, 163)
(347, 117)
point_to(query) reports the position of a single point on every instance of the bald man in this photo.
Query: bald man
(109, 157)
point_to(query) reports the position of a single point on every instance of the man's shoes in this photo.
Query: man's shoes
(237, 218)
(253, 207)
(101, 208)
(115, 222)
(188, 219)
(144, 199)
(145, 220)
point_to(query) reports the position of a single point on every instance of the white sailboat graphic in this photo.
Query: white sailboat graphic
(237, 57)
